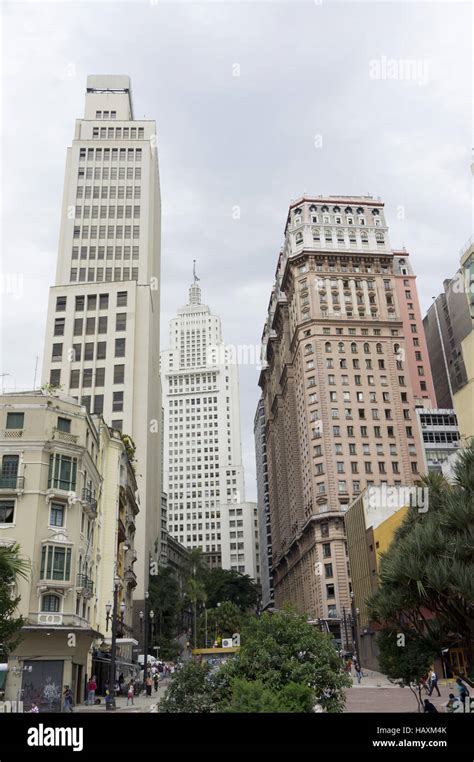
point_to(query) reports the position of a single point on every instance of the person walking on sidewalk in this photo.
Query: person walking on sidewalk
(463, 692)
(358, 672)
(91, 689)
(131, 692)
(433, 683)
(149, 685)
(68, 704)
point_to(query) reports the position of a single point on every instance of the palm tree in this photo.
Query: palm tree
(12, 565)
(427, 574)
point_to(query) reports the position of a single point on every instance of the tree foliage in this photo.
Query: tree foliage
(255, 697)
(405, 660)
(427, 574)
(192, 690)
(12, 566)
(222, 622)
(227, 585)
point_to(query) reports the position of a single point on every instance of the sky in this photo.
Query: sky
(256, 104)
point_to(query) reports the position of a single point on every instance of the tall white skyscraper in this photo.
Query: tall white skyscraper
(102, 335)
(202, 447)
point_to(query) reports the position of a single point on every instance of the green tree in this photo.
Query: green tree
(227, 585)
(283, 648)
(427, 574)
(191, 690)
(255, 697)
(12, 566)
(167, 602)
(405, 658)
(222, 622)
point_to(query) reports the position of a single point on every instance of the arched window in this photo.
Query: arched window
(379, 349)
(354, 347)
(50, 603)
(327, 346)
(340, 347)
(366, 348)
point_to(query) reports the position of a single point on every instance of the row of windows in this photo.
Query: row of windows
(105, 174)
(106, 231)
(115, 133)
(112, 211)
(330, 237)
(96, 275)
(93, 301)
(114, 154)
(346, 264)
(105, 252)
(90, 325)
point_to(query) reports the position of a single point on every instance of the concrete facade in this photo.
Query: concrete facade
(240, 547)
(265, 526)
(339, 405)
(202, 445)
(102, 335)
(67, 497)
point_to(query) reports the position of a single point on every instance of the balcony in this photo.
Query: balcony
(85, 585)
(64, 436)
(11, 483)
(12, 433)
(89, 502)
(130, 577)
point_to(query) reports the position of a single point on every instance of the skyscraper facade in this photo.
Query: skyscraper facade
(102, 335)
(339, 405)
(202, 447)
(265, 527)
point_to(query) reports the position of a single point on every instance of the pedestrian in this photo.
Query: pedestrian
(429, 707)
(34, 708)
(424, 684)
(68, 704)
(121, 681)
(131, 692)
(91, 689)
(453, 704)
(149, 684)
(463, 692)
(433, 681)
(156, 681)
(358, 672)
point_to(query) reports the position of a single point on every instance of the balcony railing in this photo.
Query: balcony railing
(85, 582)
(12, 433)
(12, 482)
(64, 436)
(89, 498)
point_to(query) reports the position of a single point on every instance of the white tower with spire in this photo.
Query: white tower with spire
(202, 447)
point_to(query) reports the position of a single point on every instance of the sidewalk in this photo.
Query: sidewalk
(140, 703)
(376, 693)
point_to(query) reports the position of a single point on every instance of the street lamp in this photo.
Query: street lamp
(146, 617)
(110, 704)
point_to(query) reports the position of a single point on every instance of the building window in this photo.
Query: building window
(55, 563)
(121, 321)
(330, 591)
(64, 424)
(15, 420)
(61, 303)
(56, 515)
(7, 511)
(122, 298)
(119, 347)
(50, 603)
(119, 374)
(62, 472)
(117, 404)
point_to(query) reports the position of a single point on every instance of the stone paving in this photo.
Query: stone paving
(377, 694)
(140, 703)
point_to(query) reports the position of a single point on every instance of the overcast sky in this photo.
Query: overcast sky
(322, 105)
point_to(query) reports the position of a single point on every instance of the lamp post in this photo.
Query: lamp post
(145, 618)
(355, 612)
(113, 618)
(205, 625)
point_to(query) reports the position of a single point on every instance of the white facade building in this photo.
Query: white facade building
(240, 538)
(102, 335)
(202, 447)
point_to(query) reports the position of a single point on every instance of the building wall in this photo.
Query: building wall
(33, 528)
(332, 345)
(418, 363)
(240, 538)
(109, 244)
(265, 529)
(464, 398)
(202, 444)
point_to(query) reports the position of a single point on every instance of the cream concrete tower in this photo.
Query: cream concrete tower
(102, 335)
(202, 447)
